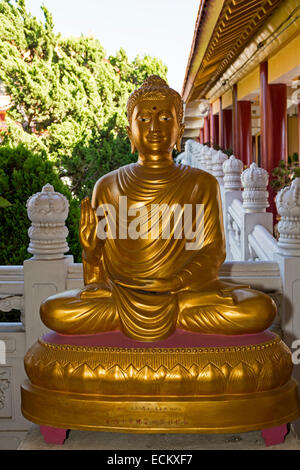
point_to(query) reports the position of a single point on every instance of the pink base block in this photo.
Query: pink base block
(53, 435)
(273, 436)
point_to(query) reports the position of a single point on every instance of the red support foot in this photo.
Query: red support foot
(273, 436)
(53, 435)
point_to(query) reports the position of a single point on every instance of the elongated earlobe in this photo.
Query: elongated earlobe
(178, 142)
(133, 149)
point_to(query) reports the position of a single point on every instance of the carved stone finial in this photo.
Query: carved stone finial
(232, 168)
(217, 163)
(255, 194)
(204, 150)
(48, 211)
(208, 158)
(288, 207)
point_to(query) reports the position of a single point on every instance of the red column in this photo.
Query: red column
(201, 135)
(214, 127)
(221, 124)
(254, 156)
(211, 124)
(235, 121)
(277, 139)
(206, 130)
(299, 130)
(227, 128)
(264, 113)
(273, 112)
(2, 115)
(245, 132)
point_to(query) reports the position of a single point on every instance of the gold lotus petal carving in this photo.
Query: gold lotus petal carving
(145, 374)
(193, 371)
(131, 371)
(242, 379)
(212, 379)
(226, 369)
(161, 372)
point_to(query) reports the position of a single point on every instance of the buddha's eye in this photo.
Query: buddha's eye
(165, 118)
(143, 118)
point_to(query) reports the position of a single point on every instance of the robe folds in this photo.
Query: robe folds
(115, 295)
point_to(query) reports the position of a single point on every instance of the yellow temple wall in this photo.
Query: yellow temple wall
(248, 84)
(284, 60)
(227, 99)
(216, 106)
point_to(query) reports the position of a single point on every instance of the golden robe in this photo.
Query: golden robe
(114, 297)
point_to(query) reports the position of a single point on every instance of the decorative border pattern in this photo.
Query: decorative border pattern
(66, 347)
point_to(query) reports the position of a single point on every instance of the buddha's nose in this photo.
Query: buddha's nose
(154, 124)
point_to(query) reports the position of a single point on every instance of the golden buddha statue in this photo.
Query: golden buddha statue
(148, 286)
(219, 371)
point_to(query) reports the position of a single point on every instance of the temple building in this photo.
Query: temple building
(242, 80)
(4, 105)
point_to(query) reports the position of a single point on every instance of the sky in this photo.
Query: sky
(160, 28)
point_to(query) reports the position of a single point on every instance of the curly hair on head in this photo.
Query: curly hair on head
(153, 88)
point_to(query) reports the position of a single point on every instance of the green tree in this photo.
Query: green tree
(285, 173)
(68, 98)
(23, 173)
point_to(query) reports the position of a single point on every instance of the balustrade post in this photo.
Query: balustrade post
(232, 168)
(288, 207)
(187, 153)
(288, 258)
(217, 165)
(255, 202)
(208, 159)
(192, 154)
(217, 170)
(205, 149)
(196, 150)
(46, 272)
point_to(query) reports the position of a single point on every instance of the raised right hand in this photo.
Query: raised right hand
(88, 227)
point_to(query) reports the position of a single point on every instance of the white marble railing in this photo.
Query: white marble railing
(248, 226)
(262, 245)
(234, 227)
(13, 342)
(11, 288)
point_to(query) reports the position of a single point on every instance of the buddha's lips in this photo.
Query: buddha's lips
(154, 137)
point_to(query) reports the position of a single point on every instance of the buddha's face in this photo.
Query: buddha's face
(154, 127)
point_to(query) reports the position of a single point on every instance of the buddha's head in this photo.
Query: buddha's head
(155, 113)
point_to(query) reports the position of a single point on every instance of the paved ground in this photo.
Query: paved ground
(10, 440)
(88, 440)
